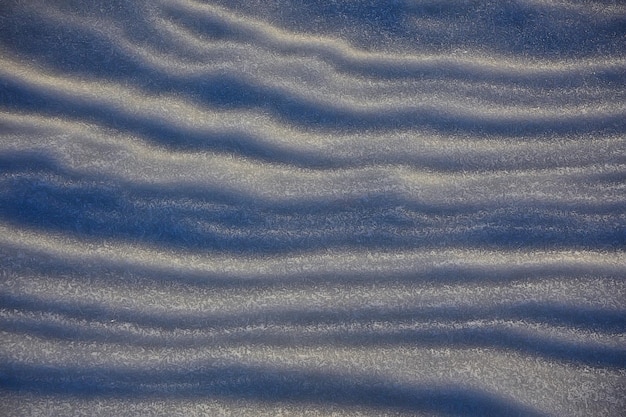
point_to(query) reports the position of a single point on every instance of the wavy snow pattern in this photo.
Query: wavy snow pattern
(313, 208)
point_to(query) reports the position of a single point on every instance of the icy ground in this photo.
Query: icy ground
(320, 207)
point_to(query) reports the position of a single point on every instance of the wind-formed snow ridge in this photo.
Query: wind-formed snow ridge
(340, 208)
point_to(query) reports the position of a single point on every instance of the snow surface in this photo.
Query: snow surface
(321, 207)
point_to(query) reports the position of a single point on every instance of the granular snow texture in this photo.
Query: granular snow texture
(311, 208)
